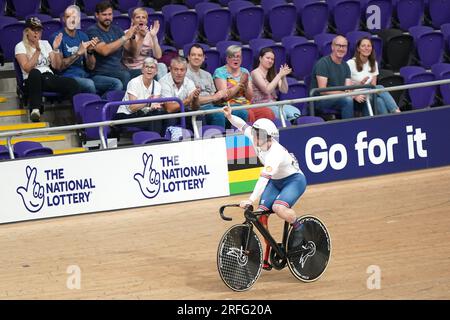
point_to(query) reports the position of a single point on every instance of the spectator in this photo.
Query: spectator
(235, 80)
(209, 97)
(176, 84)
(145, 45)
(78, 55)
(140, 88)
(266, 81)
(108, 52)
(331, 71)
(364, 70)
(35, 57)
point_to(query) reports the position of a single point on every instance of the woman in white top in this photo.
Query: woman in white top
(143, 87)
(364, 70)
(36, 57)
(266, 81)
(145, 45)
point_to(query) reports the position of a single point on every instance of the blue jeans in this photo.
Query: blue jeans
(162, 70)
(122, 74)
(104, 84)
(290, 112)
(218, 119)
(385, 102)
(86, 85)
(343, 105)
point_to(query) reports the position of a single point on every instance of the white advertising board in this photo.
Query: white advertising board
(37, 188)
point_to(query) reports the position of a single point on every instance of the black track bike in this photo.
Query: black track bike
(240, 255)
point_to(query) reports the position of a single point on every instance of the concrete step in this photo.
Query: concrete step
(54, 141)
(23, 126)
(13, 116)
(70, 150)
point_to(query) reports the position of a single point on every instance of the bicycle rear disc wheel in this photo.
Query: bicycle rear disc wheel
(308, 249)
(239, 257)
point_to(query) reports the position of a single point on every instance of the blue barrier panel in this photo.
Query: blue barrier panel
(371, 146)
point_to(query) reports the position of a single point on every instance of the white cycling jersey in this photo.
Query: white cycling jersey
(278, 162)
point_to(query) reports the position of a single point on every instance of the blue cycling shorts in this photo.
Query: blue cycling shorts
(284, 191)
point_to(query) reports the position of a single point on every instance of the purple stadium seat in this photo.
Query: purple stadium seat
(420, 97)
(115, 95)
(56, 7)
(247, 20)
(79, 100)
(354, 36)
(22, 8)
(4, 153)
(409, 13)
(302, 120)
(215, 22)
(211, 131)
(4, 20)
(429, 45)
(25, 149)
(442, 71)
(2, 7)
(397, 48)
(10, 35)
(312, 17)
(439, 12)
(385, 7)
(296, 90)
(193, 3)
(50, 27)
(181, 24)
(212, 60)
(188, 46)
(147, 137)
(302, 55)
(280, 18)
(323, 42)
(125, 5)
(123, 22)
(224, 2)
(89, 7)
(92, 112)
(346, 15)
(445, 29)
(87, 22)
(259, 43)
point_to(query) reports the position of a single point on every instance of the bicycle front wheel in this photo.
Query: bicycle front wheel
(239, 257)
(308, 249)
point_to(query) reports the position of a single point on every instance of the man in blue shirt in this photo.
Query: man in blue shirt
(78, 58)
(108, 51)
(332, 71)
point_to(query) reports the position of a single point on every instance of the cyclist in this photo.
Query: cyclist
(281, 182)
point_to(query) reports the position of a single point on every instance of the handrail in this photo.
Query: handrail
(130, 102)
(313, 92)
(10, 134)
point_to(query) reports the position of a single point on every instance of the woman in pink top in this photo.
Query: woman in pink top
(266, 81)
(146, 45)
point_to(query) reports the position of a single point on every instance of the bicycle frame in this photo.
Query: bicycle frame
(251, 218)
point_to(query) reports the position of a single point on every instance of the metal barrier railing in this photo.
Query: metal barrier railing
(315, 91)
(10, 134)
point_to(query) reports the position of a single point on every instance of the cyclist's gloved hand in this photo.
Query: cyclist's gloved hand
(245, 204)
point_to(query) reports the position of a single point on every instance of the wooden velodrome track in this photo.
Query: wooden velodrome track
(399, 222)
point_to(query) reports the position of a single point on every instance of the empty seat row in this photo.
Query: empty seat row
(25, 149)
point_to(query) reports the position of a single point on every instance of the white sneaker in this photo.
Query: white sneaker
(35, 115)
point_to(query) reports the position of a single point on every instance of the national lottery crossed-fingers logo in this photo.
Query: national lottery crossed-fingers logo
(150, 180)
(33, 193)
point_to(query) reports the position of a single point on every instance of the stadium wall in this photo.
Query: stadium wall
(46, 187)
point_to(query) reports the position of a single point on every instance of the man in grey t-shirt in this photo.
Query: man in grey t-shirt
(331, 71)
(209, 97)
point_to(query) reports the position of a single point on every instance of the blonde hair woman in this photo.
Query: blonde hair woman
(145, 44)
(36, 58)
